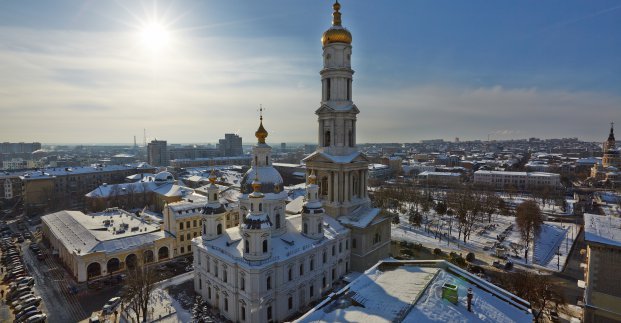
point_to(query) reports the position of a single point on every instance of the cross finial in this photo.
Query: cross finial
(260, 111)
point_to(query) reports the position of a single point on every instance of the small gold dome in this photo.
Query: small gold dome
(336, 33)
(261, 133)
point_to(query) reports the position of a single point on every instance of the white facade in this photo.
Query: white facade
(273, 266)
(518, 180)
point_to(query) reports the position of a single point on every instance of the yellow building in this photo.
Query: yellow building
(98, 245)
(602, 282)
(183, 220)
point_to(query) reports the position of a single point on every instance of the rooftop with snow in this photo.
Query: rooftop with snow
(107, 231)
(292, 243)
(602, 229)
(411, 291)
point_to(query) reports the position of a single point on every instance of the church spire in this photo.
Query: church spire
(611, 136)
(336, 16)
(261, 133)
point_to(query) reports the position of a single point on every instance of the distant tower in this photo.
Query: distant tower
(611, 154)
(213, 212)
(135, 145)
(144, 137)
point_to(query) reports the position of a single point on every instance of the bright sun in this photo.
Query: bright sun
(154, 37)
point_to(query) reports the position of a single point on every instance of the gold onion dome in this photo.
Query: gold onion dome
(261, 133)
(336, 33)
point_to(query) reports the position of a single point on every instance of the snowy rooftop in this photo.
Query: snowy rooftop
(602, 229)
(360, 217)
(64, 171)
(285, 246)
(411, 291)
(498, 172)
(439, 174)
(106, 231)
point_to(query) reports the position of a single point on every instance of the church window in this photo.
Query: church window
(204, 228)
(209, 292)
(277, 220)
(326, 139)
(333, 250)
(224, 275)
(301, 269)
(260, 207)
(243, 313)
(305, 228)
(312, 290)
(266, 159)
(324, 256)
(226, 304)
(247, 246)
(269, 282)
(269, 313)
(346, 244)
(251, 207)
(319, 227)
(353, 243)
(312, 264)
(290, 302)
(290, 274)
(328, 86)
(264, 245)
(351, 139)
(194, 223)
(340, 246)
(348, 89)
(200, 283)
(219, 228)
(242, 284)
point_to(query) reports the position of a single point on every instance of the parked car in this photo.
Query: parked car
(27, 314)
(22, 299)
(18, 295)
(29, 280)
(31, 301)
(40, 256)
(37, 318)
(111, 305)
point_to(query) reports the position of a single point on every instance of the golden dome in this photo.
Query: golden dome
(261, 133)
(212, 177)
(312, 179)
(336, 33)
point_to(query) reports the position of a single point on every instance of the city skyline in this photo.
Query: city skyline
(191, 71)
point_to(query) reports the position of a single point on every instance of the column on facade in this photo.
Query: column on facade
(347, 183)
(336, 187)
(330, 187)
(364, 184)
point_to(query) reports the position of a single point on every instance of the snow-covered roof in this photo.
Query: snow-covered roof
(360, 217)
(427, 173)
(497, 172)
(285, 246)
(411, 291)
(108, 231)
(64, 171)
(335, 158)
(295, 206)
(602, 229)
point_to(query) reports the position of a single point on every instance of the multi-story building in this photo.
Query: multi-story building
(65, 188)
(516, 180)
(211, 161)
(19, 147)
(272, 265)
(10, 187)
(231, 145)
(157, 153)
(602, 282)
(184, 219)
(97, 245)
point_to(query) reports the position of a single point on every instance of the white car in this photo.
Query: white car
(111, 305)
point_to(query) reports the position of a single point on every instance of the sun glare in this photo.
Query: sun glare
(154, 37)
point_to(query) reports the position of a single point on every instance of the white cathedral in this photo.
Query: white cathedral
(273, 266)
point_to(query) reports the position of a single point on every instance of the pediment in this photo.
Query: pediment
(324, 108)
(317, 157)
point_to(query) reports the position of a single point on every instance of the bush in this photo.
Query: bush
(457, 259)
(437, 251)
(470, 257)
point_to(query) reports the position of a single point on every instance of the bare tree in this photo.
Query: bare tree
(140, 285)
(529, 220)
(537, 289)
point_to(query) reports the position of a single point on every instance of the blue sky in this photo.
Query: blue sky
(77, 72)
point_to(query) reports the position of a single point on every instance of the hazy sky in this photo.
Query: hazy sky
(189, 71)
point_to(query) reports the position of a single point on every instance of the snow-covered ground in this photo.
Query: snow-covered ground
(484, 237)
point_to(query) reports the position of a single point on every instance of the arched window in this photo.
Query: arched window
(326, 139)
(219, 228)
(204, 228)
(323, 186)
(351, 139)
(246, 246)
(269, 282)
(256, 160)
(260, 207)
(319, 227)
(290, 274)
(265, 245)
(266, 160)
(277, 220)
(301, 269)
(305, 228)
